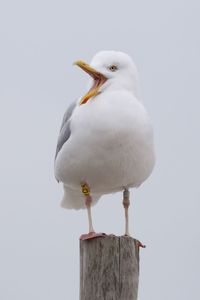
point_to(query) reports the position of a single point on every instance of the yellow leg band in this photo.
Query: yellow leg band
(85, 189)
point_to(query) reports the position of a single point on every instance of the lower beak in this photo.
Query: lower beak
(99, 80)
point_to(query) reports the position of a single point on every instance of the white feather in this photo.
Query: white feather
(111, 142)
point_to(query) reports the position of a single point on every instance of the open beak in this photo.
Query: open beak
(99, 80)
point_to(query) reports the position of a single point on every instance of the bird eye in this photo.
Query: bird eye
(113, 68)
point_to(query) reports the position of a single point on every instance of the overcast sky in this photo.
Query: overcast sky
(39, 246)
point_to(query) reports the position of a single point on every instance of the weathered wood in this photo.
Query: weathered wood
(109, 268)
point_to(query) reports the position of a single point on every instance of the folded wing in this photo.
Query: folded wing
(65, 131)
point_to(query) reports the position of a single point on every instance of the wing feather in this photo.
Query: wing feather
(65, 131)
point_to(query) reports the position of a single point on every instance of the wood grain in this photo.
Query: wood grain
(109, 268)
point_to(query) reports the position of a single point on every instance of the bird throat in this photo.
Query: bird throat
(98, 81)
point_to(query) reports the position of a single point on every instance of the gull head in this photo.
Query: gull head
(110, 70)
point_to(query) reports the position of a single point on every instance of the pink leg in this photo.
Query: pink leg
(126, 204)
(88, 201)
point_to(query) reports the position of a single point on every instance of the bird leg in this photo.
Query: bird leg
(88, 201)
(126, 204)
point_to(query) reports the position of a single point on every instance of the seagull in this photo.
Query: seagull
(105, 144)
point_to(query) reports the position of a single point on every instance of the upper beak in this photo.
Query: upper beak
(98, 77)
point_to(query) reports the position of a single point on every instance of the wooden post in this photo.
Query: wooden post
(109, 268)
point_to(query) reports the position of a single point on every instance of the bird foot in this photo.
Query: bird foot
(91, 235)
(140, 245)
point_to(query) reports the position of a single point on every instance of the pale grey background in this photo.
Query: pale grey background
(38, 240)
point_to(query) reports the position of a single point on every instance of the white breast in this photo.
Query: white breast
(111, 144)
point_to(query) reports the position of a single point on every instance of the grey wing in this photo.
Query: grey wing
(65, 131)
